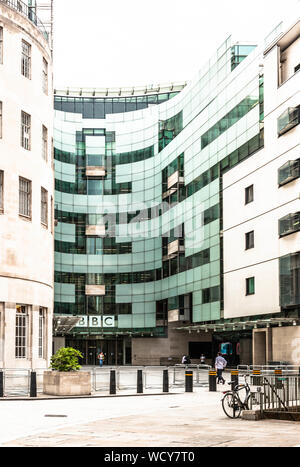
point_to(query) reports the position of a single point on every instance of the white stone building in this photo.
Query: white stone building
(26, 190)
(261, 227)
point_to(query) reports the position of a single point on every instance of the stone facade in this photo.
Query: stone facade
(27, 243)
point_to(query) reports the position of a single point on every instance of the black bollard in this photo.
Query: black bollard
(139, 381)
(1, 384)
(33, 391)
(278, 378)
(112, 382)
(212, 380)
(256, 378)
(165, 381)
(234, 378)
(188, 381)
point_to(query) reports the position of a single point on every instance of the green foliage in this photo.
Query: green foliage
(66, 359)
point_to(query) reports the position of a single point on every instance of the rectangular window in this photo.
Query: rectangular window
(24, 197)
(44, 207)
(0, 119)
(1, 45)
(211, 294)
(21, 331)
(249, 237)
(25, 130)
(45, 143)
(1, 191)
(249, 194)
(42, 317)
(45, 76)
(250, 286)
(26, 60)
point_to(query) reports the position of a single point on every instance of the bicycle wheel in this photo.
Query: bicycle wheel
(231, 405)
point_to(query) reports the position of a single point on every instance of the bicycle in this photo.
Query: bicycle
(232, 403)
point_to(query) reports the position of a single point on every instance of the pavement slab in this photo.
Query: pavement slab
(167, 420)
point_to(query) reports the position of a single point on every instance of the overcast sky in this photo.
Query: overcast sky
(107, 43)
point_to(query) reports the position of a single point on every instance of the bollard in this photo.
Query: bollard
(1, 384)
(234, 378)
(112, 382)
(33, 391)
(188, 381)
(278, 378)
(256, 378)
(139, 381)
(212, 380)
(165, 381)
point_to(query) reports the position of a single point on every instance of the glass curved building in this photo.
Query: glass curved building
(138, 177)
(163, 206)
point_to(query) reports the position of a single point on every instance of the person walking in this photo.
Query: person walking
(220, 364)
(101, 359)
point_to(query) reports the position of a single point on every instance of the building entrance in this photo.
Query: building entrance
(116, 351)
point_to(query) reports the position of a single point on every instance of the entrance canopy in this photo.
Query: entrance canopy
(241, 325)
(64, 324)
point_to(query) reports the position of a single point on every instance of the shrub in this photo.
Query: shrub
(66, 359)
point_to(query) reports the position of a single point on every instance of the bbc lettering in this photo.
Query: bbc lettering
(96, 322)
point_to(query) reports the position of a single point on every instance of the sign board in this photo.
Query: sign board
(96, 321)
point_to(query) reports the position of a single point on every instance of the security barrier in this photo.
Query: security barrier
(135, 379)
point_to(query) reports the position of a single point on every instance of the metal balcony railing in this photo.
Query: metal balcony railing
(28, 12)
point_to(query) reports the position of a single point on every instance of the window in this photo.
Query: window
(44, 207)
(250, 286)
(0, 119)
(41, 344)
(1, 190)
(25, 130)
(26, 60)
(211, 295)
(249, 194)
(45, 76)
(289, 279)
(249, 237)
(1, 45)
(21, 331)
(45, 143)
(24, 197)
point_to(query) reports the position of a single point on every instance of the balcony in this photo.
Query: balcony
(95, 171)
(288, 172)
(95, 290)
(95, 230)
(288, 120)
(28, 12)
(289, 224)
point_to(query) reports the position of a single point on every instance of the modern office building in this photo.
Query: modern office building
(261, 239)
(176, 207)
(26, 189)
(138, 206)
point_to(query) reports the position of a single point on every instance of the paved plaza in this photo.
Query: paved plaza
(177, 419)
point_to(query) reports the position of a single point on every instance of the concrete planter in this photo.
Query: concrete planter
(72, 383)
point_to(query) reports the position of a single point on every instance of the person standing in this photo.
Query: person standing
(101, 359)
(202, 359)
(220, 364)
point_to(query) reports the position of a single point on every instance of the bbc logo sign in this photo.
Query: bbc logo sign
(96, 322)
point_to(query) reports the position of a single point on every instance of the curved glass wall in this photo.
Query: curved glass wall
(138, 198)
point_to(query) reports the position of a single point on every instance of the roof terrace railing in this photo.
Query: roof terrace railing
(28, 12)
